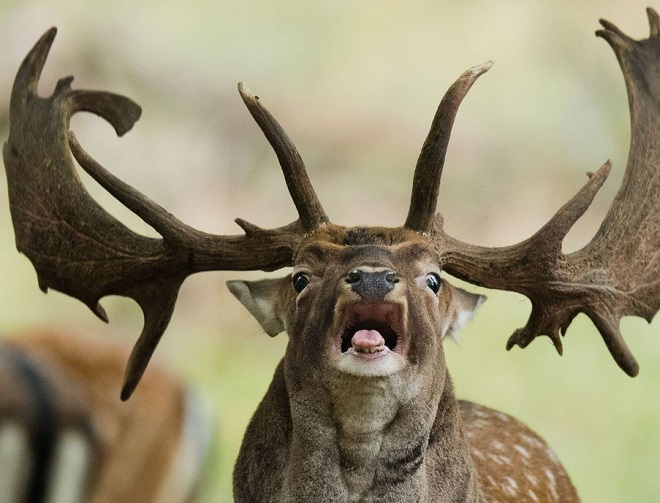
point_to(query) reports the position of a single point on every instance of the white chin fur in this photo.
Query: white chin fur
(380, 367)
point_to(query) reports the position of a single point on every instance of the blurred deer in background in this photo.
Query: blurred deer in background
(361, 407)
(65, 437)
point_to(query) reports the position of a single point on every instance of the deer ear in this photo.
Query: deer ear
(265, 299)
(459, 309)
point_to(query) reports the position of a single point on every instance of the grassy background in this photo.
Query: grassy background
(356, 85)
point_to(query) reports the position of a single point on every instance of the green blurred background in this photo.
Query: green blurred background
(356, 84)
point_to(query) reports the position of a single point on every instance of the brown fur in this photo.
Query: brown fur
(325, 433)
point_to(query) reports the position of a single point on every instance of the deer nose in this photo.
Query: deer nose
(372, 286)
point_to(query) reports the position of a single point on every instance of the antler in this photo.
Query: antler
(81, 250)
(426, 180)
(618, 272)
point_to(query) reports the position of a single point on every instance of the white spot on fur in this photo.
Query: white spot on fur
(479, 412)
(532, 441)
(499, 459)
(551, 454)
(533, 496)
(480, 423)
(523, 452)
(497, 445)
(553, 483)
(503, 417)
(511, 487)
(532, 479)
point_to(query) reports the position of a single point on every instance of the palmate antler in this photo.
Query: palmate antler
(618, 272)
(79, 249)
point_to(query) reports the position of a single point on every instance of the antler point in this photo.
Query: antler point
(245, 92)
(488, 64)
(612, 34)
(556, 342)
(126, 391)
(63, 85)
(654, 21)
(99, 311)
(247, 227)
(517, 339)
(42, 284)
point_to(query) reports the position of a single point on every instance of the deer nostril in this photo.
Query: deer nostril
(390, 277)
(354, 276)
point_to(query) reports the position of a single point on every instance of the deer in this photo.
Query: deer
(66, 437)
(361, 408)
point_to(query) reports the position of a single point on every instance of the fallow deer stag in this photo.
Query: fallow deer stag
(361, 407)
(66, 437)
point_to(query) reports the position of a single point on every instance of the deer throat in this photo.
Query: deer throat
(363, 410)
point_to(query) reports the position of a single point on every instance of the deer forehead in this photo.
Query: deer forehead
(341, 249)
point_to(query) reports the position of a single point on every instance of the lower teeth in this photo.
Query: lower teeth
(369, 350)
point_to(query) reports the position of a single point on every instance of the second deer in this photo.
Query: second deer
(65, 437)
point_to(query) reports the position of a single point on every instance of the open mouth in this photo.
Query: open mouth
(370, 331)
(369, 336)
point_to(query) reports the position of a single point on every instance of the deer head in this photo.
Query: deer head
(365, 302)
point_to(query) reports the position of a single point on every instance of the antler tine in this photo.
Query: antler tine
(27, 78)
(309, 207)
(426, 180)
(654, 21)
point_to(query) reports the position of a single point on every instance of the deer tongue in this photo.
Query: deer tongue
(367, 339)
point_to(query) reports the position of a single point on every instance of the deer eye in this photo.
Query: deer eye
(300, 281)
(434, 282)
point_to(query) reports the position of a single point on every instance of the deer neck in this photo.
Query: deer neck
(380, 439)
(369, 423)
